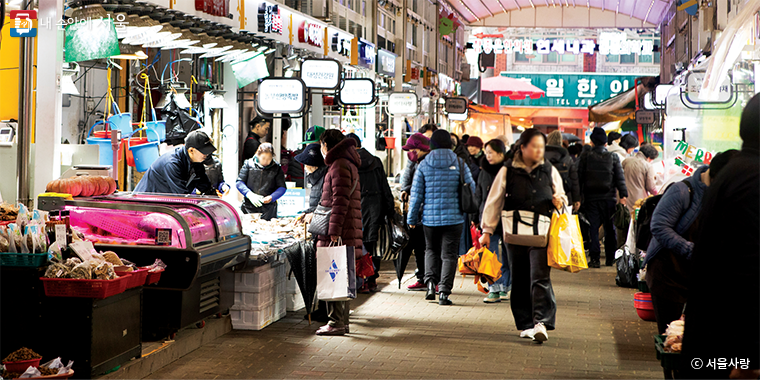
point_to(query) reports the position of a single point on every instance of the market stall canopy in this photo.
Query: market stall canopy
(513, 88)
(562, 14)
(621, 107)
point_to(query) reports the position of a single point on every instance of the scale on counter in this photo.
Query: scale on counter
(78, 170)
(7, 133)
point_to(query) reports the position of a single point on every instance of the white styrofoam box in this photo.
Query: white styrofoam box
(280, 289)
(294, 302)
(253, 301)
(293, 286)
(252, 319)
(280, 307)
(255, 281)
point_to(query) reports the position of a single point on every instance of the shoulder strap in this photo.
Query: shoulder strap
(461, 171)
(691, 192)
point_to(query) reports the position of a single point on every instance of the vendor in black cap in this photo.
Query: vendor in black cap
(181, 171)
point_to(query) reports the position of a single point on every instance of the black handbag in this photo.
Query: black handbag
(467, 202)
(399, 236)
(320, 221)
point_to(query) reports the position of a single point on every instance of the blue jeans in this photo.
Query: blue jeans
(504, 283)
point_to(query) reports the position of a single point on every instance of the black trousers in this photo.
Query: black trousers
(532, 293)
(416, 245)
(441, 253)
(599, 214)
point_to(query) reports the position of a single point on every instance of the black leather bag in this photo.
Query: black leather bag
(399, 235)
(320, 221)
(467, 202)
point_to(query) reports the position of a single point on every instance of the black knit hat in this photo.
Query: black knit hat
(441, 139)
(598, 137)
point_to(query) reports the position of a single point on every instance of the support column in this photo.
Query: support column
(230, 129)
(277, 122)
(49, 111)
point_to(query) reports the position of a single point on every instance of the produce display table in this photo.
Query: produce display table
(97, 334)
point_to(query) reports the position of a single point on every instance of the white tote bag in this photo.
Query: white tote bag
(336, 273)
(526, 228)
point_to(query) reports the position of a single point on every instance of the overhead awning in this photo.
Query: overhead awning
(621, 107)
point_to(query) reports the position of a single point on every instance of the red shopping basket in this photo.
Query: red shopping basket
(137, 278)
(68, 287)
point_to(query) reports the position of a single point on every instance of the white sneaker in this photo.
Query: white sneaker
(539, 333)
(527, 334)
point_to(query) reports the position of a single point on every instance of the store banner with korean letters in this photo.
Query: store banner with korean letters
(320, 73)
(609, 43)
(280, 23)
(579, 90)
(282, 95)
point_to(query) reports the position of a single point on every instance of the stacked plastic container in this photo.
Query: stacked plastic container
(294, 297)
(260, 297)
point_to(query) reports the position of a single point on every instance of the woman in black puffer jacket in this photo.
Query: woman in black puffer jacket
(262, 182)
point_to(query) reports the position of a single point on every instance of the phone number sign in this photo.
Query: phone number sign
(572, 90)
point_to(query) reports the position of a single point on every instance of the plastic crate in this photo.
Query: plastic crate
(137, 278)
(67, 287)
(153, 277)
(668, 360)
(27, 260)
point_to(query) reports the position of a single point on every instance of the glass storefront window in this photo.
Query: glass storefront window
(629, 59)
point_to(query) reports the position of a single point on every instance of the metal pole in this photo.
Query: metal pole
(25, 120)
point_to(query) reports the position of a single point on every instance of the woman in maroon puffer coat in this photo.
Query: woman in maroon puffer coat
(346, 218)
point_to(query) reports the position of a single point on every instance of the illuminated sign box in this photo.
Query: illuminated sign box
(281, 95)
(402, 103)
(357, 92)
(320, 73)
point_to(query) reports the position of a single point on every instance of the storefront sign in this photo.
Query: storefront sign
(609, 44)
(644, 117)
(402, 103)
(386, 63)
(357, 92)
(340, 45)
(269, 19)
(572, 90)
(282, 95)
(320, 73)
(455, 105)
(219, 8)
(694, 85)
(311, 33)
(367, 53)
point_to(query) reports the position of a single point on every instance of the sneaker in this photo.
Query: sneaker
(328, 330)
(492, 298)
(594, 264)
(527, 334)
(364, 289)
(416, 287)
(539, 333)
(505, 296)
(372, 286)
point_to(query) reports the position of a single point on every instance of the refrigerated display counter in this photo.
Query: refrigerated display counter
(200, 240)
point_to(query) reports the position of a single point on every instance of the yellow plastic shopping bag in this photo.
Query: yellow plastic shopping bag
(566, 243)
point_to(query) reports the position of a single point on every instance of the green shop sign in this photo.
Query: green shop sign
(572, 90)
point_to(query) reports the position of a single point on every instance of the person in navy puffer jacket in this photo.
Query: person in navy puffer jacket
(436, 189)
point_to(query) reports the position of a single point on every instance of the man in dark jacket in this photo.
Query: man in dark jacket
(377, 204)
(600, 174)
(563, 162)
(259, 128)
(727, 252)
(181, 171)
(418, 146)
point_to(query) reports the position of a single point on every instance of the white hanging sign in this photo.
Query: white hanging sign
(357, 92)
(320, 73)
(282, 95)
(402, 103)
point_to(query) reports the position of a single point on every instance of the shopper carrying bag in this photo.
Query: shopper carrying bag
(527, 188)
(336, 272)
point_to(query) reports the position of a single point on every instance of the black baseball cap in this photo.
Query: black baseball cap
(200, 140)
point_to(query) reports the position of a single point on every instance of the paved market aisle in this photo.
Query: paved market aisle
(397, 334)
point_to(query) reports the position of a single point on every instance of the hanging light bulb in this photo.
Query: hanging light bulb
(186, 40)
(206, 43)
(220, 49)
(141, 27)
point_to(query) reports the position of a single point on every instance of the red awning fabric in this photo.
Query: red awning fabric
(513, 88)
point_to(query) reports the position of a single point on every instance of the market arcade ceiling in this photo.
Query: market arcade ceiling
(562, 13)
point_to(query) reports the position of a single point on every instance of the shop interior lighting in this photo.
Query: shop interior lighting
(175, 36)
(138, 27)
(149, 30)
(70, 70)
(206, 43)
(130, 52)
(167, 34)
(215, 99)
(220, 49)
(93, 38)
(289, 73)
(186, 40)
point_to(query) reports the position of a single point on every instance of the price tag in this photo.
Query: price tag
(60, 234)
(163, 236)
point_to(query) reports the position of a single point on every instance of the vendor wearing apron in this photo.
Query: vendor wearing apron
(262, 182)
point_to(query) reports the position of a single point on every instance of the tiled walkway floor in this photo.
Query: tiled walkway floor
(396, 334)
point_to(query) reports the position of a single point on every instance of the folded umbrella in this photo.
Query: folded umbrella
(303, 265)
